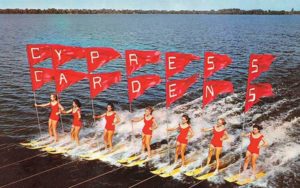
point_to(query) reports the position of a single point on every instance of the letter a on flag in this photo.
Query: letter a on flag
(66, 78)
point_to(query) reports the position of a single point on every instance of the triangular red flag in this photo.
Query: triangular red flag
(40, 76)
(63, 54)
(97, 57)
(176, 62)
(136, 59)
(66, 78)
(139, 84)
(214, 62)
(255, 92)
(175, 89)
(36, 53)
(102, 81)
(213, 88)
(258, 64)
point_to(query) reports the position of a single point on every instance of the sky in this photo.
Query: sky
(153, 4)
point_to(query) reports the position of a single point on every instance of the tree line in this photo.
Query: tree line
(113, 11)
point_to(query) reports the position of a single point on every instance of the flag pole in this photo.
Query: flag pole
(168, 140)
(37, 114)
(61, 122)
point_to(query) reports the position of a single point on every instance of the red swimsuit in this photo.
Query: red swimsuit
(254, 143)
(216, 140)
(148, 126)
(76, 120)
(54, 110)
(109, 122)
(182, 137)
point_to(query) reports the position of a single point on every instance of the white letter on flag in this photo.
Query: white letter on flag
(138, 86)
(210, 62)
(133, 57)
(210, 89)
(94, 55)
(62, 77)
(97, 80)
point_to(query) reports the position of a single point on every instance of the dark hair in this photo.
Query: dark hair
(187, 118)
(112, 106)
(150, 109)
(55, 96)
(258, 127)
(77, 102)
(223, 121)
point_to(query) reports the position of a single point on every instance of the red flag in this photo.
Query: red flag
(102, 81)
(175, 89)
(63, 54)
(214, 62)
(36, 53)
(139, 84)
(66, 78)
(97, 57)
(255, 92)
(176, 62)
(213, 88)
(258, 64)
(136, 59)
(40, 76)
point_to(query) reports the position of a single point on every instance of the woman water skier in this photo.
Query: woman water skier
(56, 107)
(182, 139)
(150, 124)
(219, 134)
(253, 149)
(112, 119)
(77, 124)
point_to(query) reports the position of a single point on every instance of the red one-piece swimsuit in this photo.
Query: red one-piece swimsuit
(76, 121)
(216, 140)
(182, 137)
(254, 143)
(148, 126)
(109, 122)
(54, 110)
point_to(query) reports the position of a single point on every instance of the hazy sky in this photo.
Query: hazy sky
(153, 4)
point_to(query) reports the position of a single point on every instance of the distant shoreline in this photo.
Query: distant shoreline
(113, 11)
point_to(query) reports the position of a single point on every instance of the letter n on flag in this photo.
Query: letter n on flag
(97, 57)
(102, 81)
(176, 62)
(36, 53)
(214, 62)
(213, 88)
(258, 64)
(40, 76)
(175, 89)
(255, 92)
(63, 54)
(66, 78)
(136, 59)
(139, 84)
